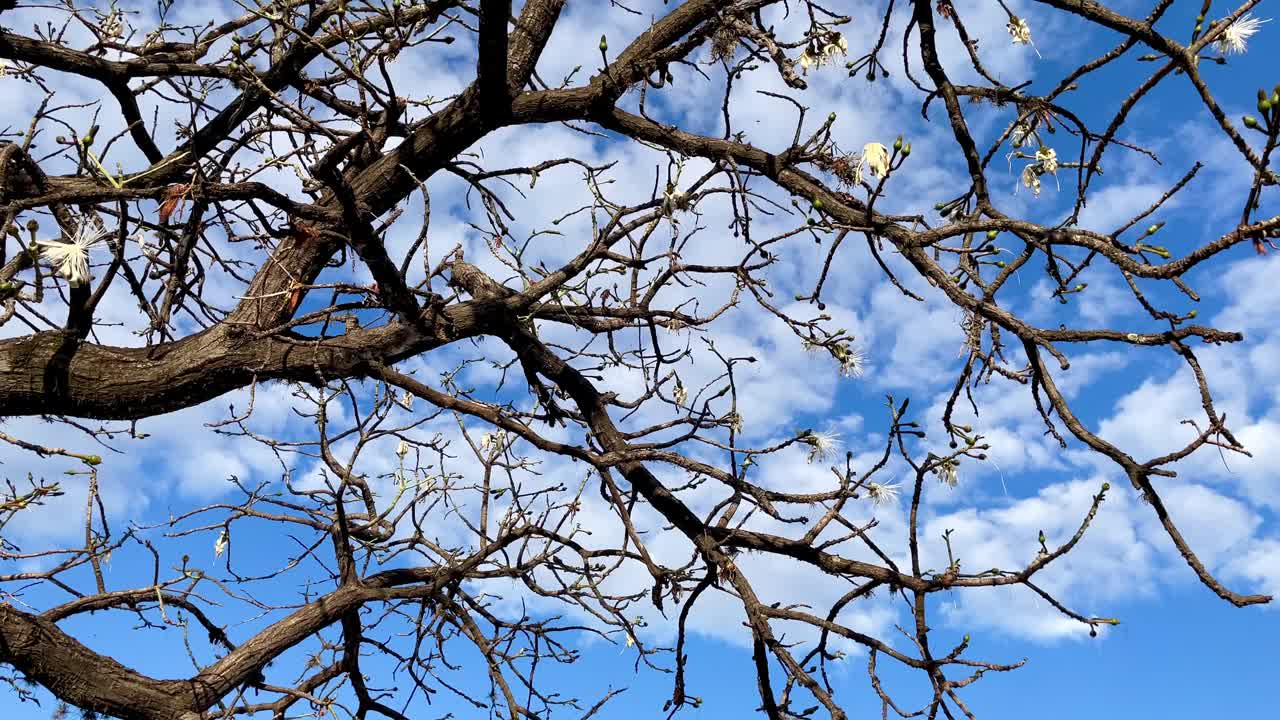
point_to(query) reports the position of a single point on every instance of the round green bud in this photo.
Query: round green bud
(1106, 487)
(1264, 105)
(993, 234)
(1193, 313)
(1000, 263)
(966, 638)
(817, 203)
(939, 206)
(906, 149)
(831, 117)
(93, 460)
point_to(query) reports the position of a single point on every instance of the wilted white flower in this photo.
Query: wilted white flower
(1020, 31)
(402, 449)
(822, 445)
(949, 472)
(406, 400)
(673, 200)
(680, 393)
(817, 53)
(493, 440)
(1048, 159)
(735, 422)
(881, 494)
(143, 238)
(876, 156)
(220, 545)
(835, 44)
(1019, 134)
(1031, 179)
(1237, 34)
(113, 26)
(72, 257)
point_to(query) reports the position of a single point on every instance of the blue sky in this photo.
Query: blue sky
(1178, 652)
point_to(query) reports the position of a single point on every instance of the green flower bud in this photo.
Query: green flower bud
(93, 460)
(1000, 263)
(831, 117)
(1192, 314)
(604, 44)
(939, 206)
(906, 149)
(993, 234)
(1081, 286)
(1155, 228)
(897, 144)
(817, 203)
(1106, 487)
(966, 638)
(1264, 105)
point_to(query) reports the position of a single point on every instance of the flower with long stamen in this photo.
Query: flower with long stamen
(822, 445)
(1235, 38)
(881, 494)
(71, 257)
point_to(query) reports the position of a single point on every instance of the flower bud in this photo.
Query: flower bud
(94, 460)
(604, 44)
(1192, 314)
(817, 203)
(1264, 105)
(1000, 263)
(1155, 228)
(831, 117)
(906, 149)
(897, 144)
(1106, 486)
(992, 234)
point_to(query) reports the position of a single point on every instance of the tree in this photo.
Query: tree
(510, 418)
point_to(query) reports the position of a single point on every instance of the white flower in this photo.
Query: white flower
(852, 360)
(735, 422)
(1019, 134)
(1020, 31)
(949, 473)
(817, 53)
(494, 440)
(1048, 159)
(680, 393)
(406, 400)
(220, 545)
(1031, 179)
(835, 44)
(113, 26)
(881, 494)
(4, 68)
(876, 156)
(1233, 39)
(142, 237)
(72, 257)
(823, 445)
(402, 449)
